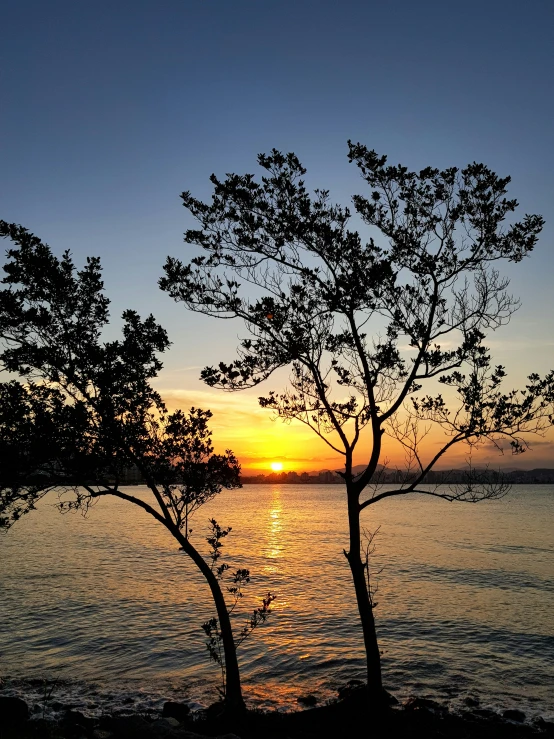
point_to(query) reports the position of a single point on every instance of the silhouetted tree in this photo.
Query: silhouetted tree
(83, 410)
(32, 423)
(363, 324)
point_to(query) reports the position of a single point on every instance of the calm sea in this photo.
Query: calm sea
(105, 610)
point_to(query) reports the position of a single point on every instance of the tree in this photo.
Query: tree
(83, 411)
(338, 310)
(31, 429)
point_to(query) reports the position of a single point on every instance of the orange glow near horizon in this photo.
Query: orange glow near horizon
(262, 444)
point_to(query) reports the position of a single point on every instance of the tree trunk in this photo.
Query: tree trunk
(233, 692)
(373, 657)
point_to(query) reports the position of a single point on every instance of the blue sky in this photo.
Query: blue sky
(110, 109)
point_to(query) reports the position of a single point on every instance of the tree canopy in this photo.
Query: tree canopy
(366, 320)
(91, 401)
(83, 410)
(424, 280)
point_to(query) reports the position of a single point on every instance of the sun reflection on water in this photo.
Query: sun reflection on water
(465, 601)
(274, 543)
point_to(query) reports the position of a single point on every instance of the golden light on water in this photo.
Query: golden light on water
(274, 545)
(276, 466)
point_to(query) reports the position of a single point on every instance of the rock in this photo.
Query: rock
(351, 687)
(514, 714)
(101, 734)
(418, 704)
(307, 700)
(543, 725)
(485, 713)
(130, 727)
(227, 736)
(39, 727)
(76, 718)
(172, 709)
(215, 710)
(13, 710)
(167, 721)
(355, 691)
(161, 728)
(169, 728)
(471, 702)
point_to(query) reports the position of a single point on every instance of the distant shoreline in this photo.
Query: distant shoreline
(541, 476)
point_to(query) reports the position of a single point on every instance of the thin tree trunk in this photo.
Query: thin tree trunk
(373, 657)
(233, 692)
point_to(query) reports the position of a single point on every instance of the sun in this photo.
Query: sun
(276, 466)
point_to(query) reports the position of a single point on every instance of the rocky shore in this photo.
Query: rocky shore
(346, 717)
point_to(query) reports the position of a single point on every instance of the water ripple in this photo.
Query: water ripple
(108, 604)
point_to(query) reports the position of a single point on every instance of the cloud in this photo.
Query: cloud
(541, 443)
(240, 403)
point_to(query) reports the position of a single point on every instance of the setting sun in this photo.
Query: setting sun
(276, 466)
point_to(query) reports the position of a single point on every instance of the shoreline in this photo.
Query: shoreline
(342, 717)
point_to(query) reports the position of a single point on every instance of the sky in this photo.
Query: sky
(110, 110)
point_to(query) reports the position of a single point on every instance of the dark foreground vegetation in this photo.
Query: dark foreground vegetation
(347, 717)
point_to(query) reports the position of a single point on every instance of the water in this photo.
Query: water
(104, 611)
